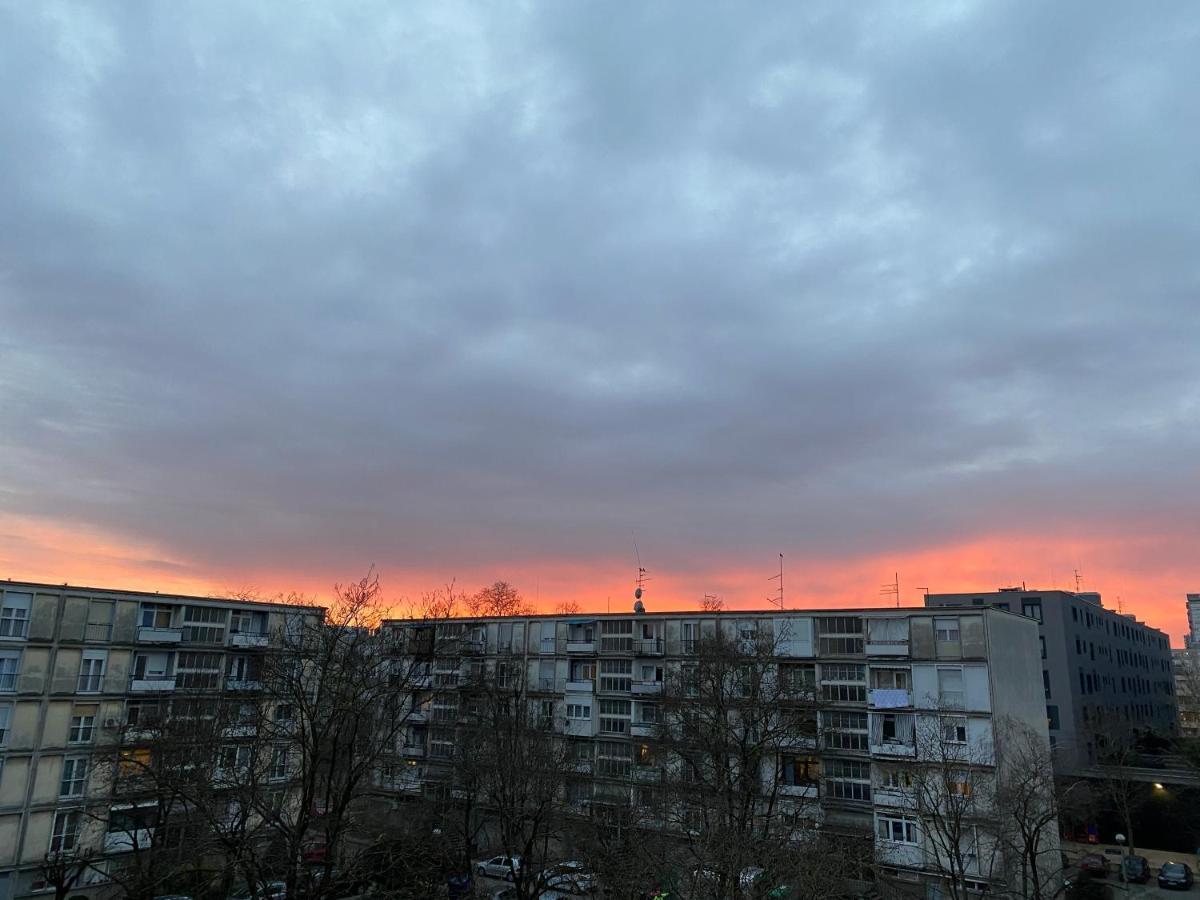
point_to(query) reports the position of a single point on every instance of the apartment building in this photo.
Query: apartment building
(87, 674)
(894, 692)
(1106, 677)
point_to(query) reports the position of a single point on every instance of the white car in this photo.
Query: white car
(499, 867)
(571, 876)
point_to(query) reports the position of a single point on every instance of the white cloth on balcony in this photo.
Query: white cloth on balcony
(889, 698)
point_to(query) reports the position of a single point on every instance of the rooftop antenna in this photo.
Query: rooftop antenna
(778, 598)
(892, 589)
(1078, 580)
(924, 592)
(642, 577)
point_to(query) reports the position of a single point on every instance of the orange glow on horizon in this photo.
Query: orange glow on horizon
(1143, 571)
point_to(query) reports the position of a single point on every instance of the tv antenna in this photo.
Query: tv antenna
(1078, 580)
(778, 598)
(892, 589)
(642, 576)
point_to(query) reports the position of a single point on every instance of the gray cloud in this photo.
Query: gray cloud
(449, 286)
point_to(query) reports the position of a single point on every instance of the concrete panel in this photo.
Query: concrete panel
(37, 836)
(116, 672)
(74, 619)
(46, 779)
(66, 670)
(125, 622)
(34, 664)
(9, 825)
(58, 722)
(14, 782)
(921, 637)
(975, 687)
(974, 642)
(25, 728)
(41, 617)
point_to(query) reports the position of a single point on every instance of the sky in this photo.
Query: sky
(497, 291)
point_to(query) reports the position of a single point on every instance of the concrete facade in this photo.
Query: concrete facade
(78, 665)
(1104, 674)
(889, 675)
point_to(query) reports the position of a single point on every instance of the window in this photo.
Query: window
(613, 758)
(891, 679)
(582, 670)
(690, 637)
(243, 668)
(950, 688)
(614, 716)
(236, 756)
(845, 730)
(198, 670)
(74, 777)
(156, 615)
(244, 621)
(83, 725)
(1042, 640)
(279, 763)
(798, 679)
(1032, 607)
(616, 637)
(616, 674)
(65, 833)
(894, 728)
(151, 666)
(799, 770)
(946, 630)
(648, 713)
(91, 671)
(143, 713)
(887, 631)
(840, 635)
(204, 624)
(954, 729)
(896, 830)
(100, 619)
(895, 779)
(958, 784)
(10, 668)
(285, 712)
(843, 682)
(579, 711)
(848, 780)
(5, 722)
(1046, 682)
(14, 615)
(1052, 718)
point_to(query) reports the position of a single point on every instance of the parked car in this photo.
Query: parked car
(1134, 868)
(572, 876)
(1175, 875)
(1094, 864)
(499, 867)
(269, 890)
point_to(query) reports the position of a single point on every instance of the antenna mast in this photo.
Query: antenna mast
(640, 582)
(778, 598)
(1078, 581)
(892, 589)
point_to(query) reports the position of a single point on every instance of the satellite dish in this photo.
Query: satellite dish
(637, 595)
(638, 607)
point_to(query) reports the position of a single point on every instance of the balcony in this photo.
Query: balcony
(894, 798)
(419, 681)
(417, 715)
(580, 687)
(240, 731)
(248, 639)
(580, 727)
(886, 648)
(647, 774)
(542, 685)
(649, 647)
(894, 853)
(151, 685)
(646, 688)
(889, 698)
(122, 841)
(897, 749)
(414, 752)
(581, 646)
(243, 684)
(471, 646)
(149, 635)
(797, 790)
(643, 729)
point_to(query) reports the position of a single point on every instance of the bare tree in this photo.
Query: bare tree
(567, 607)
(953, 788)
(712, 603)
(736, 750)
(1029, 802)
(63, 871)
(498, 599)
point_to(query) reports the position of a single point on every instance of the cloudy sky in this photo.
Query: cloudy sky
(486, 291)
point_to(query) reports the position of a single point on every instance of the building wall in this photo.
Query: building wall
(1107, 674)
(970, 666)
(64, 625)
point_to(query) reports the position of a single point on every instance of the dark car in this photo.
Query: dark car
(1175, 875)
(1134, 868)
(1094, 864)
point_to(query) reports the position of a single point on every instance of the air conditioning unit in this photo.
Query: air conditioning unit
(112, 724)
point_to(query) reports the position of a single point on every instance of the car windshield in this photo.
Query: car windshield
(1173, 868)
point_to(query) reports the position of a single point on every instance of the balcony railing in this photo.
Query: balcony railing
(581, 646)
(148, 634)
(248, 639)
(580, 686)
(649, 646)
(643, 729)
(243, 684)
(646, 688)
(121, 841)
(150, 685)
